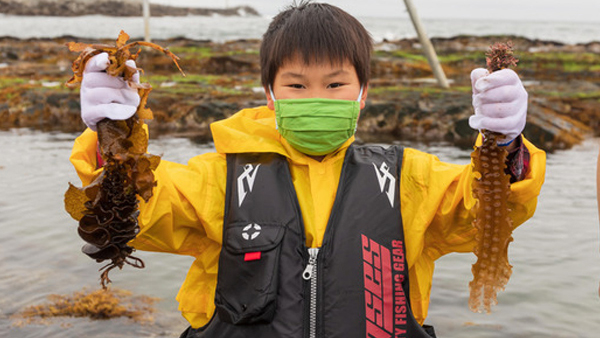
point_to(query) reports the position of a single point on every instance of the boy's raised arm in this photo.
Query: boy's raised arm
(169, 221)
(444, 210)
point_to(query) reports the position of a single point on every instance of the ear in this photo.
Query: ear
(270, 102)
(363, 98)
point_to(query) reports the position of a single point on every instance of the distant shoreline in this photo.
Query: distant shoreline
(460, 42)
(224, 28)
(131, 8)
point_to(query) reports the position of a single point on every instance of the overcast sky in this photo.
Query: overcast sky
(538, 10)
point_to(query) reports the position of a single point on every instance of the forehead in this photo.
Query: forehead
(297, 66)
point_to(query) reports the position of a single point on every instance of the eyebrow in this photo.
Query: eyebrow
(293, 75)
(336, 73)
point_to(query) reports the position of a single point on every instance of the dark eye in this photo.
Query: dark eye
(296, 86)
(335, 85)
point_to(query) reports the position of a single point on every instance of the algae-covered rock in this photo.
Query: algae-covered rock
(404, 102)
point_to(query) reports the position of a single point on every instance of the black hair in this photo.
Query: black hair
(315, 32)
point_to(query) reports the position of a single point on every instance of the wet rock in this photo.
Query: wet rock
(229, 65)
(404, 102)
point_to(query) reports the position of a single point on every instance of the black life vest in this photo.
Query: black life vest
(271, 285)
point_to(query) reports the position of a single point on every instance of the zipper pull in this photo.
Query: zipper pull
(312, 263)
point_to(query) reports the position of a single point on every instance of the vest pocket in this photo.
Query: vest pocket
(248, 273)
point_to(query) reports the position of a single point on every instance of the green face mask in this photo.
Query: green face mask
(316, 126)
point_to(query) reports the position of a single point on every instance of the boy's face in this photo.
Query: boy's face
(297, 80)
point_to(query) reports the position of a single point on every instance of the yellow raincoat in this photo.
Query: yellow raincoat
(185, 215)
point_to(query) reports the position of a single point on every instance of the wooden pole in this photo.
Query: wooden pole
(146, 12)
(434, 63)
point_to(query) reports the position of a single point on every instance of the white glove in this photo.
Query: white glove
(500, 103)
(104, 96)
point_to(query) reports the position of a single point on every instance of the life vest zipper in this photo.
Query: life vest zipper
(310, 274)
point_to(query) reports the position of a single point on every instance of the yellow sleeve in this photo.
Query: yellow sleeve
(83, 156)
(437, 212)
(185, 213)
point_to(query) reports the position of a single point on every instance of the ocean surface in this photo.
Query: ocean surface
(230, 28)
(553, 291)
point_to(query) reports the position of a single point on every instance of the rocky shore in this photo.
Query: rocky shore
(404, 102)
(110, 8)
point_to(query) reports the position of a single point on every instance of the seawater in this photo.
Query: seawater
(553, 291)
(221, 29)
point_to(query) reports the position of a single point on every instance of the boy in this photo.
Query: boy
(296, 231)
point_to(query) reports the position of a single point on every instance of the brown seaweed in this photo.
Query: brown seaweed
(98, 304)
(491, 188)
(107, 209)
